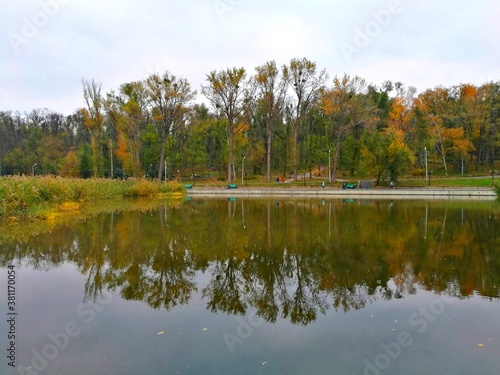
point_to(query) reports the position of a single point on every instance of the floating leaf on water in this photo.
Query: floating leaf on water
(205, 329)
(480, 345)
(160, 333)
(263, 363)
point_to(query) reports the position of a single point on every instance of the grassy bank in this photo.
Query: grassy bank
(451, 182)
(39, 197)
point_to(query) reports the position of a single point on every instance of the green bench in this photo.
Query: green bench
(350, 186)
(188, 186)
(232, 186)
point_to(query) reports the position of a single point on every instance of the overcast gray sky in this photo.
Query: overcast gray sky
(48, 46)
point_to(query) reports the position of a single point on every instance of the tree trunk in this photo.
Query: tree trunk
(269, 151)
(444, 163)
(336, 157)
(162, 157)
(479, 147)
(97, 157)
(295, 152)
(111, 157)
(230, 135)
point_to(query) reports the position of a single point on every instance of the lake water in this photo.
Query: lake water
(217, 286)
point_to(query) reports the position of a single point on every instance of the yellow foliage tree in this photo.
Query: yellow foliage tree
(69, 165)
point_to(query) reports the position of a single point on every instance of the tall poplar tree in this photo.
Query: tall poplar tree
(229, 92)
(306, 82)
(170, 97)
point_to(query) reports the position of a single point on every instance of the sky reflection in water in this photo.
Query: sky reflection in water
(265, 287)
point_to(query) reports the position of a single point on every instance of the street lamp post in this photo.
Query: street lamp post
(242, 169)
(426, 171)
(493, 177)
(33, 169)
(329, 168)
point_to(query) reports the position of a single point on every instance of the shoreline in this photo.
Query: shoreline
(339, 193)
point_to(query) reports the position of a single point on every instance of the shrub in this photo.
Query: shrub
(418, 172)
(141, 188)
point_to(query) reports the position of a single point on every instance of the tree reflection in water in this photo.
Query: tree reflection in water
(291, 260)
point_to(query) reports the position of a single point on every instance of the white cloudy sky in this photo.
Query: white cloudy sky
(44, 54)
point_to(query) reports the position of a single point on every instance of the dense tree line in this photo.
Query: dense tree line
(278, 120)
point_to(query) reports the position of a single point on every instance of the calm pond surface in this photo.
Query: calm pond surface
(217, 286)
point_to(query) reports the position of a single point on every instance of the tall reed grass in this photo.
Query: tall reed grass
(26, 196)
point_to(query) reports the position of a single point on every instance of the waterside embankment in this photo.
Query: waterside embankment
(315, 192)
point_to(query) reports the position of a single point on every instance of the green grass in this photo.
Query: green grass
(30, 197)
(448, 182)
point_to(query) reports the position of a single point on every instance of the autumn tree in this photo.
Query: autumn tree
(229, 92)
(69, 165)
(486, 137)
(169, 98)
(346, 107)
(94, 121)
(433, 105)
(134, 100)
(271, 87)
(385, 153)
(306, 82)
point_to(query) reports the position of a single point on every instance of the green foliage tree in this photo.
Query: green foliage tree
(347, 107)
(85, 165)
(385, 154)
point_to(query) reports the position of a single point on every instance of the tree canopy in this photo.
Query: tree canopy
(277, 119)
